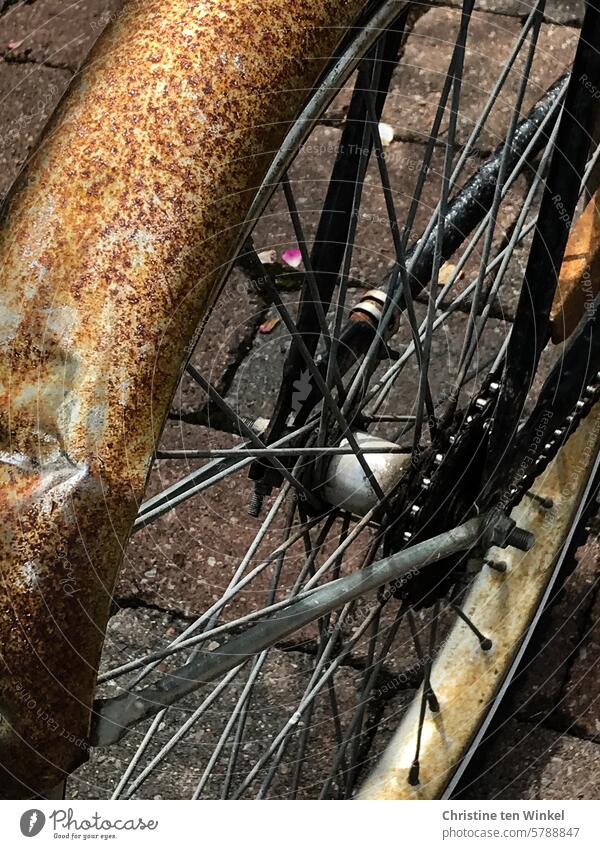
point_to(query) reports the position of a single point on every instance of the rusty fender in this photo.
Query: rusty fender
(110, 250)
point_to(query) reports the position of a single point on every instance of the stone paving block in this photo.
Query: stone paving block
(580, 706)
(53, 31)
(527, 761)
(255, 386)
(538, 689)
(419, 78)
(184, 560)
(383, 714)
(225, 339)
(556, 11)
(28, 94)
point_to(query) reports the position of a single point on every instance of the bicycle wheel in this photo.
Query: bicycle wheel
(393, 373)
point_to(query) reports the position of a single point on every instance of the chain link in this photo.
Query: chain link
(477, 419)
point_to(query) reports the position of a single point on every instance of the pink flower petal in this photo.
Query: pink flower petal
(292, 257)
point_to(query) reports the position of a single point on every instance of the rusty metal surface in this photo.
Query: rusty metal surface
(464, 678)
(579, 280)
(110, 250)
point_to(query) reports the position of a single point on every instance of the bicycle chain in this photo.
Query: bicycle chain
(433, 471)
(479, 414)
(560, 435)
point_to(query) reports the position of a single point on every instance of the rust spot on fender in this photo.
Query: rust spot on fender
(110, 248)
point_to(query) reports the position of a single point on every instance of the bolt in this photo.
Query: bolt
(521, 539)
(503, 531)
(413, 774)
(543, 501)
(256, 503)
(497, 565)
(258, 496)
(434, 705)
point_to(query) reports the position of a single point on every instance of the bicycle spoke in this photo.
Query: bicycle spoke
(340, 304)
(210, 617)
(201, 480)
(413, 776)
(246, 693)
(235, 586)
(365, 370)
